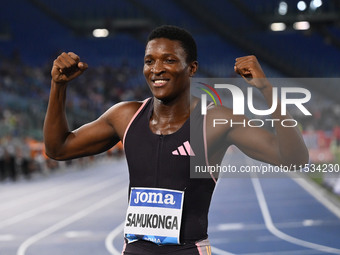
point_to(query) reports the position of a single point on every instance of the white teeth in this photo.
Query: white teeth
(160, 81)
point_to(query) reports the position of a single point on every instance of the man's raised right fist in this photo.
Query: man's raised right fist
(66, 67)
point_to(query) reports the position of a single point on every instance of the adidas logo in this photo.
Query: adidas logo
(184, 150)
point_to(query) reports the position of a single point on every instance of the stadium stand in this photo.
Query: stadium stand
(34, 33)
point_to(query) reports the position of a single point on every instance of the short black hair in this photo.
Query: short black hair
(178, 34)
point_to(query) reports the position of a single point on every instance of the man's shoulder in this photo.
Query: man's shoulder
(126, 108)
(129, 105)
(219, 111)
(120, 115)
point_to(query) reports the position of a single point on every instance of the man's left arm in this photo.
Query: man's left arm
(286, 146)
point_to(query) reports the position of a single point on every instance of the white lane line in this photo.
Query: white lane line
(318, 194)
(33, 187)
(293, 224)
(21, 192)
(78, 234)
(230, 226)
(310, 222)
(271, 227)
(6, 238)
(59, 202)
(42, 193)
(112, 236)
(75, 217)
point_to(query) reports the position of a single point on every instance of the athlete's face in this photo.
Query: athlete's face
(166, 69)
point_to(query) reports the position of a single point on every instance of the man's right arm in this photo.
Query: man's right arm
(92, 138)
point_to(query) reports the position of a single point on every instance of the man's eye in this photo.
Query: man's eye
(148, 61)
(170, 61)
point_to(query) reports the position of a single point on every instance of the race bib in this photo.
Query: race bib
(154, 215)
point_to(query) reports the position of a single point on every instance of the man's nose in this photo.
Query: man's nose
(158, 67)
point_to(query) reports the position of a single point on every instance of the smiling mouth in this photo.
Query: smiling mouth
(160, 82)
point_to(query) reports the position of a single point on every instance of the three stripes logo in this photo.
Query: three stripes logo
(210, 91)
(184, 150)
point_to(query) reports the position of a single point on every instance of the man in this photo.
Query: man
(150, 132)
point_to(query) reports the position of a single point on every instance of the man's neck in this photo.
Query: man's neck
(169, 116)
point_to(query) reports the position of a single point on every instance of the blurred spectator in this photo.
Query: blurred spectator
(24, 158)
(2, 163)
(10, 158)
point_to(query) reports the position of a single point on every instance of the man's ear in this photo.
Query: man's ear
(193, 68)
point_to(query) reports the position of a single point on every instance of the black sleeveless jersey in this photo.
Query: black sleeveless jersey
(164, 161)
